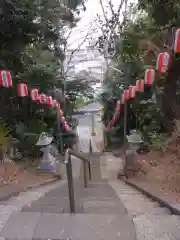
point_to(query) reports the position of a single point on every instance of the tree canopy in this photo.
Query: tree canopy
(33, 43)
(142, 37)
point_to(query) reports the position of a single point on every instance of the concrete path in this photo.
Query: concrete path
(99, 213)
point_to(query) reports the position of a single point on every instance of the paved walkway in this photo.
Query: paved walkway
(99, 214)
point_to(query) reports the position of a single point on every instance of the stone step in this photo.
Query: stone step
(161, 227)
(63, 208)
(150, 220)
(152, 211)
(39, 226)
(103, 207)
(140, 201)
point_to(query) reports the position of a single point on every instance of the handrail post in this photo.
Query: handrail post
(70, 183)
(85, 174)
(90, 153)
(89, 167)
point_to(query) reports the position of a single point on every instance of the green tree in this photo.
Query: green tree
(140, 41)
(32, 47)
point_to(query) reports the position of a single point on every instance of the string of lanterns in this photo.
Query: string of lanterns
(22, 91)
(162, 65)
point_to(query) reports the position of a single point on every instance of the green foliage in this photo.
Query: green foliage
(138, 45)
(157, 141)
(164, 12)
(32, 46)
(27, 134)
(4, 134)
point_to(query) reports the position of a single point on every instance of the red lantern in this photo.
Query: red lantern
(149, 77)
(5, 79)
(35, 94)
(118, 106)
(59, 112)
(132, 91)
(49, 100)
(22, 90)
(177, 41)
(140, 85)
(126, 94)
(163, 62)
(54, 102)
(66, 126)
(42, 98)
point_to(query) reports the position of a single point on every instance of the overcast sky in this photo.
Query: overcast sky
(88, 23)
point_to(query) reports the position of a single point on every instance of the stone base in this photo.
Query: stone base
(47, 167)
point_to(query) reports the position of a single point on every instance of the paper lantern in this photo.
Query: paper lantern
(22, 90)
(42, 98)
(113, 120)
(34, 94)
(54, 102)
(132, 91)
(139, 85)
(66, 126)
(49, 100)
(126, 94)
(5, 79)
(149, 77)
(59, 112)
(118, 106)
(177, 41)
(163, 62)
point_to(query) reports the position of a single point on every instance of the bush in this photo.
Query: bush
(157, 141)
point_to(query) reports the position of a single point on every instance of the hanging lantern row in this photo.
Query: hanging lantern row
(22, 91)
(130, 93)
(162, 65)
(35, 96)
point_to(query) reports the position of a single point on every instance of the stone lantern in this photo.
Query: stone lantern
(48, 161)
(134, 140)
(131, 165)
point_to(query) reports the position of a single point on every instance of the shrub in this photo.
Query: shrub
(157, 141)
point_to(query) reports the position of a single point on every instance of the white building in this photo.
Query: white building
(85, 59)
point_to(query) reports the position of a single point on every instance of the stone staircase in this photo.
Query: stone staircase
(97, 198)
(151, 221)
(99, 212)
(106, 209)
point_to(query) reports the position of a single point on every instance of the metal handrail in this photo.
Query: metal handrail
(69, 152)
